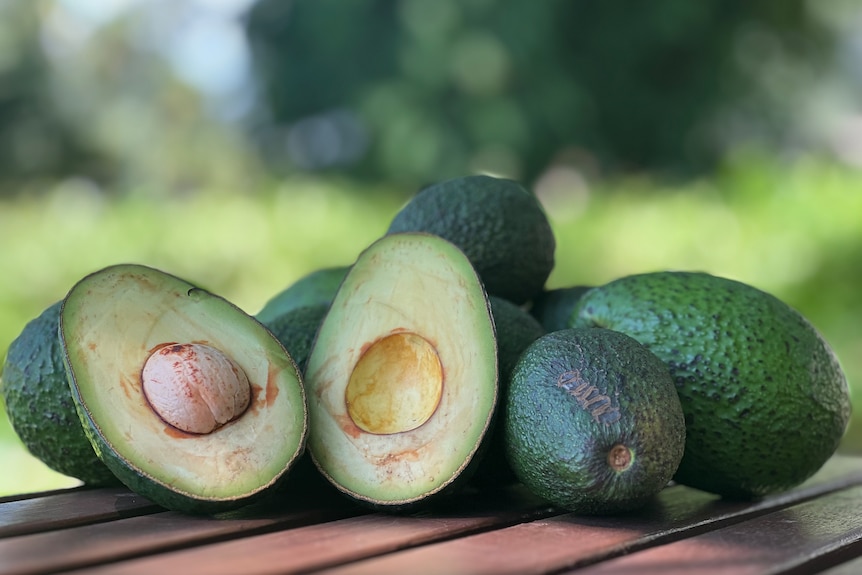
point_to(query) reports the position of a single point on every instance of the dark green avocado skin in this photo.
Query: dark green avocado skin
(515, 330)
(575, 395)
(765, 400)
(39, 402)
(296, 329)
(553, 307)
(316, 287)
(499, 225)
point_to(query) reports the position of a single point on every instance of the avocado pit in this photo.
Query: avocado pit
(195, 387)
(396, 385)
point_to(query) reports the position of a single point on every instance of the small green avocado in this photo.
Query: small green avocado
(39, 403)
(499, 225)
(593, 423)
(765, 400)
(553, 307)
(296, 329)
(317, 287)
(515, 329)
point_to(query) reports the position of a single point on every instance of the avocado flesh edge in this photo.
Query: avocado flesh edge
(404, 283)
(110, 322)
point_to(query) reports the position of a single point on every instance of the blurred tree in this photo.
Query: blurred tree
(416, 90)
(100, 101)
(36, 141)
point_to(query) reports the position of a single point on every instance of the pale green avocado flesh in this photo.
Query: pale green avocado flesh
(402, 378)
(113, 323)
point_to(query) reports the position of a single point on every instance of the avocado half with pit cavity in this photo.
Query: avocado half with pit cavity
(402, 378)
(187, 399)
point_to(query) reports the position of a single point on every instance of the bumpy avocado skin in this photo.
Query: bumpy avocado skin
(296, 328)
(765, 400)
(40, 406)
(574, 395)
(317, 287)
(498, 224)
(552, 308)
(515, 330)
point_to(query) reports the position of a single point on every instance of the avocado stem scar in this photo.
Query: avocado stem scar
(619, 457)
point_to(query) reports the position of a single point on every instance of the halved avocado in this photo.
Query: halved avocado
(402, 378)
(187, 399)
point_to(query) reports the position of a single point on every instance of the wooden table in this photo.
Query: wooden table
(814, 528)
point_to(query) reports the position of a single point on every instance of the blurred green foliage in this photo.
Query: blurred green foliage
(789, 228)
(418, 91)
(405, 91)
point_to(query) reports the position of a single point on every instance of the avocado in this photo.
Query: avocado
(496, 222)
(765, 400)
(553, 307)
(296, 328)
(39, 402)
(317, 287)
(402, 379)
(188, 400)
(515, 330)
(593, 423)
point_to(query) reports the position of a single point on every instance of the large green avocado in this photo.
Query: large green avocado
(40, 406)
(188, 400)
(402, 378)
(765, 400)
(498, 224)
(593, 423)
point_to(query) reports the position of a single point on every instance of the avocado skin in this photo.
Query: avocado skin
(558, 444)
(515, 330)
(765, 400)
(498, 224)
(317, 287)
(552, 308)
(39, 403)
(296, 329)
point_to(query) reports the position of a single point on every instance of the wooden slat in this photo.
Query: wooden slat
(101, 543)
(70, 508)
(507, 531)
(803, 538)
(316, 546)
(852, 566)
(561, 542)
(35, 494)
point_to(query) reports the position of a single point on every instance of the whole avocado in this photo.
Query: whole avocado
(593, 423)
(498, 224)
(39, 402)
(765, 399)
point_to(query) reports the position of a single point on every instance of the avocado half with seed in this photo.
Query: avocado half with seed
(187, 399)
(402, 378)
